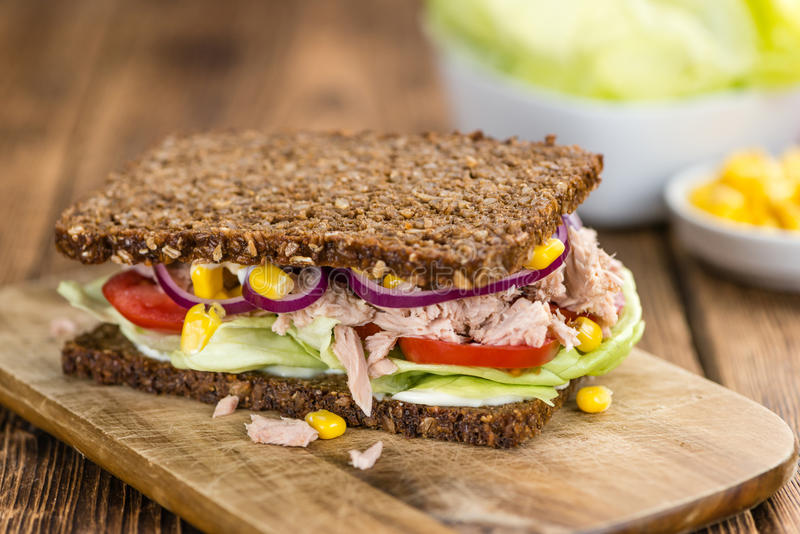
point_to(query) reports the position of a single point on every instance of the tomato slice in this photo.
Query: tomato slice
(366, 330)
(141, 301)
(422, 350)
(570, 315)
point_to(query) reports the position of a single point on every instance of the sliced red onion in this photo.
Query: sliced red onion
(619, 301)
(314, 289)
(573, 220)
(186, 300)
(383, 297)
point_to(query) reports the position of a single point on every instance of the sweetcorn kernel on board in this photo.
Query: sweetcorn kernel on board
(675, 451)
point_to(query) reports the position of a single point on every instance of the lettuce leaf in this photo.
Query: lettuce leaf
(90, 299)
(567, 364)
(248, 343)
(241, 344)
(627, 49)
(461, 390)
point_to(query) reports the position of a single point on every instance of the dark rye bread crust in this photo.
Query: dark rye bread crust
(433, 208)
(109, 358)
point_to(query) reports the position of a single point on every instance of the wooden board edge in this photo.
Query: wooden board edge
(715, 507)
(718, 506)
(44, 413)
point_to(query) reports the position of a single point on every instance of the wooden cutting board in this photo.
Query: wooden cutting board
(675, 451)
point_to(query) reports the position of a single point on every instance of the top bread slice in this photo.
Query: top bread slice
(433, 208)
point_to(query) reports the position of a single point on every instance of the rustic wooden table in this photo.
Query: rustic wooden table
(86, 85)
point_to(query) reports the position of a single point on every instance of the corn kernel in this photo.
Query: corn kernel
(206, 280)
(750, 172)
(222, 295)
(790, 161)
(788, 213)
(594, 399)
(271, 281)
(545, 254)
(328, 424)
(590, 334)
(754, 188)
(780, 190)
(391, 281)
(199, 325)
(721, 200)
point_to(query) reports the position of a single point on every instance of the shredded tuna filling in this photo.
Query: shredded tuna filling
(348, 348)
(284, 431)
(365, 460)
(226, 406)
(589, 282)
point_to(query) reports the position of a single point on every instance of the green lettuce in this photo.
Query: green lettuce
(90, 299)
(248, 343)
(470, 388)
(627, 49)
(241, 344)
(567, 364)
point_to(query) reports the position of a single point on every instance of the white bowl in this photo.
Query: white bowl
(764, 257)
(643, 143)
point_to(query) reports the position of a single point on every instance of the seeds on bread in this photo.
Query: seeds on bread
(433, 208)
(105, 355)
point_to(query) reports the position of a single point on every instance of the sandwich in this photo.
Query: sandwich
(435, 285)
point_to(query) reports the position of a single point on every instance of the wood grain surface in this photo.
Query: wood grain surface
(86, 85)
(677, 451)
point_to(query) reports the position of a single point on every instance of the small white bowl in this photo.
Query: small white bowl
(643, 143)
(764, 257)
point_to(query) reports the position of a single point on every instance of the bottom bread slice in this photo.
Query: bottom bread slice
(105, 355)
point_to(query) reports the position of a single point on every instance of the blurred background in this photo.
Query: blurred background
(698, 99)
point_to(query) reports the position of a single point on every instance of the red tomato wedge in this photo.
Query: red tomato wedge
(366, 330)
(422, 350)
(142, 302)
(570, 315)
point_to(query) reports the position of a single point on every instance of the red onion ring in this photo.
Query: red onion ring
(383, 297)
(573, 220)
(294, 301)
(186, 300)
(364, 287)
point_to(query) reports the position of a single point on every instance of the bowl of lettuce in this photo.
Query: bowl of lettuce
(653, 85)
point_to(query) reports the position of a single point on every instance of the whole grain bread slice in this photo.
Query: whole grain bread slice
(433, 208)
(106, 356)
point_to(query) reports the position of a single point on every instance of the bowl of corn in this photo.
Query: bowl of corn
(742, 216)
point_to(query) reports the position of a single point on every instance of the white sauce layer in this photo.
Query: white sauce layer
(152, 353)
(435, 398)
(422, 396)
(284, 371)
